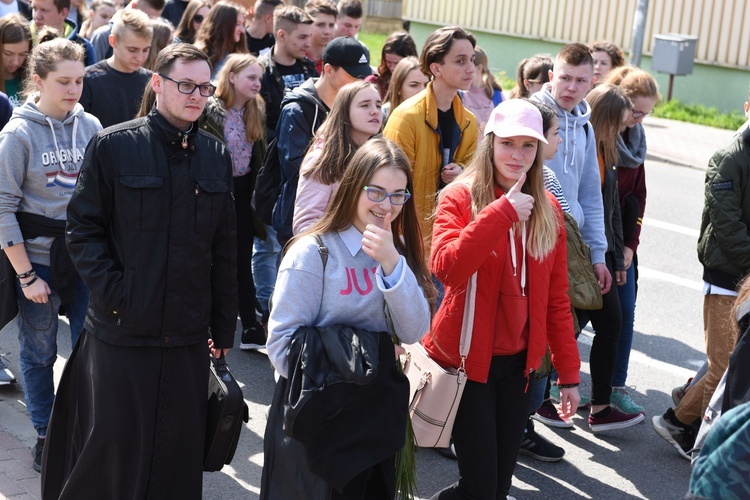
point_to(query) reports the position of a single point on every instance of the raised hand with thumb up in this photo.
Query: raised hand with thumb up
(523, 203)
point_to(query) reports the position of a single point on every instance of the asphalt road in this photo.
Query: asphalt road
(632, 463)
(667, 348)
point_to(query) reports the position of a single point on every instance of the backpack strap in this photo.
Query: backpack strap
(323, 250)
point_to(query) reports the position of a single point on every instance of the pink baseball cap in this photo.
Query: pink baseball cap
(516, 117)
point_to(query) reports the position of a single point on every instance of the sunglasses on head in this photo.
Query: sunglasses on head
(198, 18)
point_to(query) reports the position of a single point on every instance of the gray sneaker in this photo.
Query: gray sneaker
(679, 435)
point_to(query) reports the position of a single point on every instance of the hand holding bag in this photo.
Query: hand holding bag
(436, 391)
(227, 412)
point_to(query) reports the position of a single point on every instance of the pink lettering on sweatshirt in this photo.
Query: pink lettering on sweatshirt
(352, 281)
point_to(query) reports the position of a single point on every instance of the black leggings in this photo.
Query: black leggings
(489, 430)
(606, 323)
(243, 191)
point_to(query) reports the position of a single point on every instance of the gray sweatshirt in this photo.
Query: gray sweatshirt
(351, 292)
(577, 168)
(40, 158)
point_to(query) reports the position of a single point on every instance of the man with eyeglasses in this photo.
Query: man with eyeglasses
(152, 233)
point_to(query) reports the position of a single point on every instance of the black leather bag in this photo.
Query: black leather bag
(227, 412)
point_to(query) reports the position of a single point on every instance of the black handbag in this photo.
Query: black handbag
(8, 301)
(227, 412)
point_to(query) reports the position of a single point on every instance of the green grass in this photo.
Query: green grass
(700, 114)
(374, 42)
(673, 110)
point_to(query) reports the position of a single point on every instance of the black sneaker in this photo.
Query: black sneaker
(538, 447)
(6, 376)
(679, 435)
(253, 338)
(36, 454)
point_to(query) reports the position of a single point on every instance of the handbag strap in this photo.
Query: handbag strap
(467, 324)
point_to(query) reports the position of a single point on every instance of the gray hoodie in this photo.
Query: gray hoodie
(577, 168)
(40, 158)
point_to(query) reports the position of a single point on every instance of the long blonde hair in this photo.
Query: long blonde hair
(479, 176)
(254, 113)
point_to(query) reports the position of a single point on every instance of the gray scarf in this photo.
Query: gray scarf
(631, 147)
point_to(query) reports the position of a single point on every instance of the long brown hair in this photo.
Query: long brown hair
(216, 35)
(375, 154)
(400, 72)
(14, 28)
(490, 83)
(608, 102)
(479, 177)
(336, 133)
(399, 43)
(254, 113)
(185, 30)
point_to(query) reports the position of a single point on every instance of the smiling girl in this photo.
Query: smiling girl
(15, 45)
(236, 115)
(498, 221)
(354, 118)
(374, 260)
(43, 147)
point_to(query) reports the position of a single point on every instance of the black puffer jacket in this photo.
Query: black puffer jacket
(151, 230)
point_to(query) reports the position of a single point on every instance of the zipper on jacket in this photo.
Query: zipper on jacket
(184, 141)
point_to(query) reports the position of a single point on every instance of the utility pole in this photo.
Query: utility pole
(639, 31)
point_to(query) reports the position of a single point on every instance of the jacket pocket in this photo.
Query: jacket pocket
(141, 196)
(210, 199)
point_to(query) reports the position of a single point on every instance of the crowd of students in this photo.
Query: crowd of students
(346, 226)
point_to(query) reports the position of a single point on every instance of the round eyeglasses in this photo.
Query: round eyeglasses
(206, 90)
(377, 195)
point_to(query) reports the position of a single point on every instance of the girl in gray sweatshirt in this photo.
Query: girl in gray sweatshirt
(375, 261)
(41, 152)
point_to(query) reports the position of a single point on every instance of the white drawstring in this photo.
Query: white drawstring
(514, 257)
(54, 139)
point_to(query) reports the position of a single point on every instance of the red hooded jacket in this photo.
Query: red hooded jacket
(462, 246)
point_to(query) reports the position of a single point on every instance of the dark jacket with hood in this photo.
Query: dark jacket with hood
(273, 89)
(151, 230)
(302, 113)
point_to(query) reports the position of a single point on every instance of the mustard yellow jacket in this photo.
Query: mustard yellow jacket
(414, 127)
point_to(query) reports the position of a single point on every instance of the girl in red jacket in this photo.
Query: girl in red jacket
(498, 221)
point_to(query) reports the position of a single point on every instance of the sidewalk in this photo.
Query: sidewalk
(669, 141)
(683, 143)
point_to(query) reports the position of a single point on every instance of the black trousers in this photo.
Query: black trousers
(488, 431)
(245, 233)
(606, 323)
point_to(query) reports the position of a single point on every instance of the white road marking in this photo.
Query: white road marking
(688, 231)
(645, 272)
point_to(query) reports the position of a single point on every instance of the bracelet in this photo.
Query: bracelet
(27, 274)
(33, 280)
(567, 386)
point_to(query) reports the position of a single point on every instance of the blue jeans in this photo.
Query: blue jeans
(266, 257)
(38, 344)
(537, 389)
(627, 306)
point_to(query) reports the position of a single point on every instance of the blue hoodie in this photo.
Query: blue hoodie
(577, 168)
